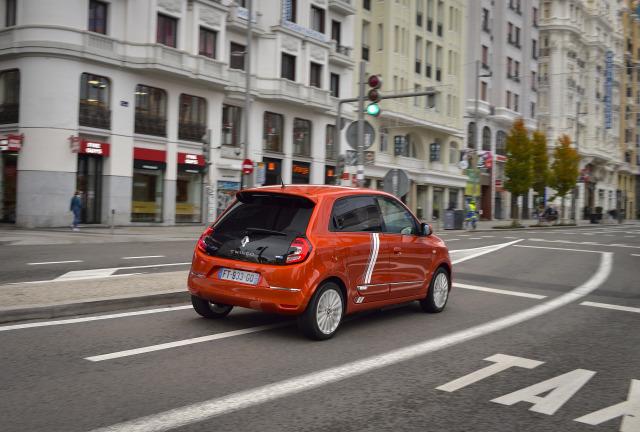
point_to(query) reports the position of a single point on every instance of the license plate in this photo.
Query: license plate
(239, 276)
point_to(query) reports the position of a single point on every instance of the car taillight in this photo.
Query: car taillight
(202, 246)
(299, 250)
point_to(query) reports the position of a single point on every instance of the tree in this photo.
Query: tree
(517, 170)
(564, 169)
(539, 163)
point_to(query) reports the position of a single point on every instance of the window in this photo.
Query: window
(533, 110)
(418, 55)
(151, 111)
(272, 134)
(301, 137)
(208, 40)
(236, 56)
(315, 75)
(483, 91)
(336, 31)
(485, 56)
(453, 152)
(397, 220)
(288, 67)
(516, 104)
(329, 142)
(97, 16)
(471, 135)
(534, 49)
(167, 33)
(501, 143)
(396, 39)
(10, 13)
(335, 85)
(231, 124)
(289, 10)
(428, 59)
(380, 36)
(365, 40)
(508, 99)
(534, 81)
(192, 122)
(9, 96)
(486, 138)
(434, 152)
(366, 4)
(384, 145)
(356, 214)
(534, 17)
(486, 26)
(94, 101)
(317, 19)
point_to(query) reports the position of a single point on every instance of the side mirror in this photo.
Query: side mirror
(426, 230)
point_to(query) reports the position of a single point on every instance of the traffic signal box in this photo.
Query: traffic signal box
(374, 82)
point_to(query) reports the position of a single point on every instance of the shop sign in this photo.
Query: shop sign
(261, 173)
(190, 159)
(95, 148)
(301, 170)
(226, 192)
(11, 142)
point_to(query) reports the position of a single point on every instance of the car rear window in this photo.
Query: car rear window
(275, 212)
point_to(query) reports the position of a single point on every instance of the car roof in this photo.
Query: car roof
(315, 192)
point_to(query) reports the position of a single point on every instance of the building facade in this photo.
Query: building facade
(581, 62)
(415, 45)
(139, 105)
(630, 109)
(501, 85)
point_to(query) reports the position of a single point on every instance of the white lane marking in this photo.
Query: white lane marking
(476, 252)
(143, 257)
(488, 236)
(92, 318)
(556, 248)
(498, 291)
(587, 243)
(510, 237)
(629, 236)
(474, 238)
(55, 262)
(635, 254)
(629, 410)
(175, 344)
(234, 402)
(450, 240)
(98, 273)
(464, 235)
(611, 306)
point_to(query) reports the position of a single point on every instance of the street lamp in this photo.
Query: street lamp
(476, 144)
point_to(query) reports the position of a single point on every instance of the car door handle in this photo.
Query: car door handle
(397, 250)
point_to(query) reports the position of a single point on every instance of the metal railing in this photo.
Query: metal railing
(191, 131)
(150, 124)
(94, 116)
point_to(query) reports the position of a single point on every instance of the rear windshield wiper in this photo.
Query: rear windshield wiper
(265, 231)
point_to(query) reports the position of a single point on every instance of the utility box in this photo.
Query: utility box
(449, 219)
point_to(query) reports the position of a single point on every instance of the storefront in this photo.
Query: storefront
(274, 171)
(148, 179)
(329, 175)
(89, 178)
(300, 172)
(189, 188)
(9, 149)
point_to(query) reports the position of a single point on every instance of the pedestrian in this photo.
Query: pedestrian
(76, 207)
(472, 215)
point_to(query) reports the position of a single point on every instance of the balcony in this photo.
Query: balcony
(150, 124)
(281, 88)
(304, 31)
(340, 54)
(9, 113)
(191, 131)
(344, 7)
(94, 116)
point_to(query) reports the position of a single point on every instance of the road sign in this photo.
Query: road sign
(261, 173)
(396, 182)
(247, 166)
(352, 135)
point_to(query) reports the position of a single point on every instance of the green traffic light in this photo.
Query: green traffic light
(373, 109)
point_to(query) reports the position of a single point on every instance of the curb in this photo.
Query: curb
(527, 228)
(58, 310)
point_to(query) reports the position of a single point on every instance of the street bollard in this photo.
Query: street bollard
(113, 216)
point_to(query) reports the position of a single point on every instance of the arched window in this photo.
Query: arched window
(501, 143)
(151, 111)
(486, 138)
(471, 135)
(94, 101)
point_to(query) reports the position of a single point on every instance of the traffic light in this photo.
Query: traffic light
(374, 82)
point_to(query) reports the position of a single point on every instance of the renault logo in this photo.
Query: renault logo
(244, 241)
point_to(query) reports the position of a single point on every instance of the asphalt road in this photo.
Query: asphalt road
(521, 309)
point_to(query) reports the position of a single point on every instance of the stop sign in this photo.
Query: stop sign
(247, 166)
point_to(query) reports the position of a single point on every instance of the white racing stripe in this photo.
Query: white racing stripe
(201, 411)
(498, 291)
(91, 318)
(610, 306)
(175, 344)
(373, 257)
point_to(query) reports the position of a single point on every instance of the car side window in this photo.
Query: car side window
(397, 220)
(356, 214)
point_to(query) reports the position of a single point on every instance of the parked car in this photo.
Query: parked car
(319, 253)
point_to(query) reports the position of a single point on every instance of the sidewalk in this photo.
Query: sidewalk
(528, 224)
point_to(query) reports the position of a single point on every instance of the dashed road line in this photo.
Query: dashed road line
(180, 343)
(610, 306)
(474, 238)
(92, 318)
(556, 248)
(498, 291)
(55, 262)
(201, 411)
(143, 257)
(585, 243)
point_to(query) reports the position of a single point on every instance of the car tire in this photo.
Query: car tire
(438, 293)
(327, 301)
(208, 309)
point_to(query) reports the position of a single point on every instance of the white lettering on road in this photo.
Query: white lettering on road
(498, 291)
(207, 409)
(502, 362)
(628, 410)
(561, 389)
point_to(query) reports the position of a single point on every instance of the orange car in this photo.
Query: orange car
(317, 252)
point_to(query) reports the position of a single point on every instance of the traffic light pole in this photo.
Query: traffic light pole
(360, 141)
